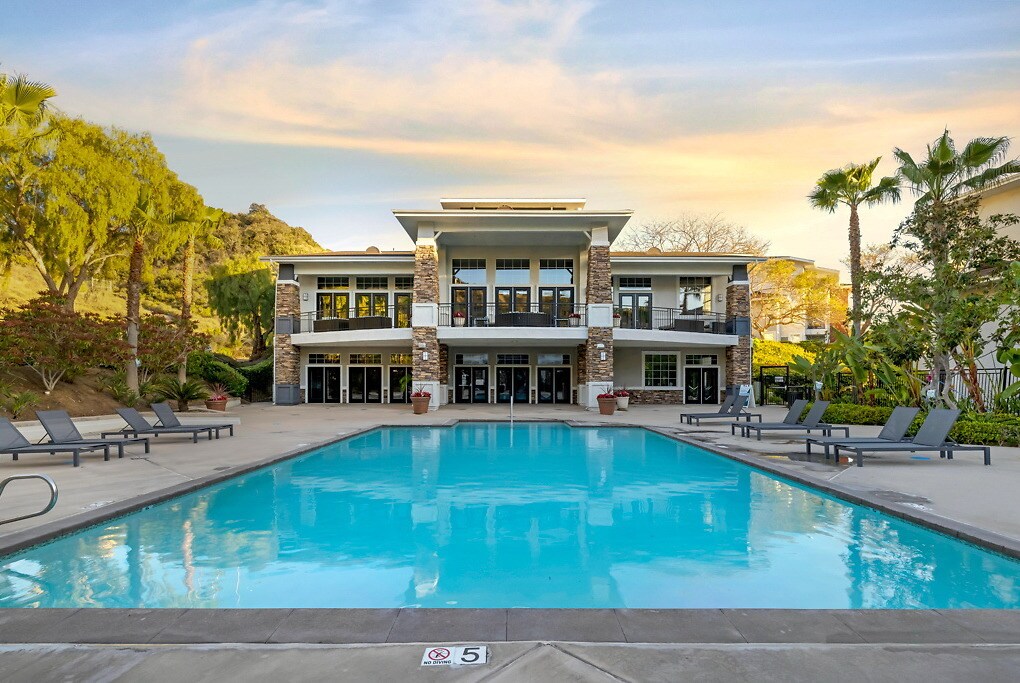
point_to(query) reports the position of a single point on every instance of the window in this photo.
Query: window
(373, 282)
(333, 282)
(370, 304)
(635, 283)
(553, 359)
(401, 310)
(701, 359)
(366, 359)
(517, 299)
(401, 359)
(329, 305)
(696, 294)
(660, 370)
(471, 359)
(324, 358)
(513, 271)
(556, 271)
(403, 282)
(469, 271)
(512, 359)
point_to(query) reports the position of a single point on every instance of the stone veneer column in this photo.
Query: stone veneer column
(738, 314)
(598, 349)
(286, 356)
(426, 372)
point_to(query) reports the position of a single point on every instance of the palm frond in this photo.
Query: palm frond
(990, 175)
(981, 152)
(23, 101)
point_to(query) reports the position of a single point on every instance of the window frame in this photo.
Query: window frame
(677, 371)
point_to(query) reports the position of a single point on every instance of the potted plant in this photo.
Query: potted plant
(616, 319)
(217, 398)
(622, 399)
(170, 389)
(575, 319)
(607, 403)
(420, 400)
(459, 319)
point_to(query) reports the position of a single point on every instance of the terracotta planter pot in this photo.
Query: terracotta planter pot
(420, 404)
(607, 406)
(216, 405)
(622, 402)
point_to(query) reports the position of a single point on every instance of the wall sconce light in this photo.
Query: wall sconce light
(424, 355)
(600, 346)
(422, 345)
(719, 298)
(304, 296)
(602, 355)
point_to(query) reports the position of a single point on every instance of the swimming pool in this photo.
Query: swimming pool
(494, 515)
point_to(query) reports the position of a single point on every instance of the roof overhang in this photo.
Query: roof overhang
(340, 258)
(722, 259)
(513, 227)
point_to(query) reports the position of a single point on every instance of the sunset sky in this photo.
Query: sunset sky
(333, 113)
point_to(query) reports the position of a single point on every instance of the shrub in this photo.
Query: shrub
(214, 371)
(17, 402)
(990, 429)
(855, 414)
(170, 389)
(116, 384)
(259, 375)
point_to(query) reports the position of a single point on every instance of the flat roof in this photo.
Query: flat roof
(512, 204)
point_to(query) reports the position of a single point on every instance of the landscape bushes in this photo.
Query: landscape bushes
(990, 429)
(214, 371)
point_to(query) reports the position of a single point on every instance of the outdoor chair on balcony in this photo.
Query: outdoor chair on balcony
(734, 412)
(811, 421)
(894, 431)
(61, 430)
(167, 418)
(138, 425)
(931, 437)
(14, 443)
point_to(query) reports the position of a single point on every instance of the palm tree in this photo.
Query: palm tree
(203, 224)
(23, 102)
(852, 185)
(946, 174)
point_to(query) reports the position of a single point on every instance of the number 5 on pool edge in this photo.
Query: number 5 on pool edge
(475, 654)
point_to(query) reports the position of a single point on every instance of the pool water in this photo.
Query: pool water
(494, 515)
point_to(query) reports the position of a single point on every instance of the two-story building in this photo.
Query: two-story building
(510, 300)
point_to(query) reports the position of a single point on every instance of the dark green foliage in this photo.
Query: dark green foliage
(259, 375)
(214, 371)
(993, 429)
(170, 389)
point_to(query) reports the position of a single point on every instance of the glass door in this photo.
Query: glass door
(554, 385)
(479, 385)
(402, 310)
(334, 385)
(471, 385)
(373, 384)
(513, 299)
(370, 304)
(635, 311)
(324, 385)
(701, 385)
(469, 302)
(330, 305)
(513, 381)
(400, 388)
(557, 303)
(355, 385)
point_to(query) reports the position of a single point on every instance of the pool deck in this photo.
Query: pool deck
(960, 496)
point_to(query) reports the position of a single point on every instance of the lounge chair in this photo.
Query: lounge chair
(137, 425)
(894, 430)
(723, 409)
(811, 421)
(167, 418)
(735, 411)
(930, 437)
(14, 443)
(61, 430)
(792, 417)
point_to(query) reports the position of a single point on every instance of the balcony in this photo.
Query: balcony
(495, 315)
(672, 320)
(385, 325)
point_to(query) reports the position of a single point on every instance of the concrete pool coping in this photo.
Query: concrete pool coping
(105, 625)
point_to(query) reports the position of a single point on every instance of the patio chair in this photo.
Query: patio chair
(894, 430)
(137, 424)
(723, 409)
(13, 442)
(61, 430)
(167, 418)
(792, 417)
(931, 437)
(735, 411)
(811, 421)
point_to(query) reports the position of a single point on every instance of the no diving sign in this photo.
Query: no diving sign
(454, 655)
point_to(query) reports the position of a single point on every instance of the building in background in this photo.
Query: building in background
(795, 300)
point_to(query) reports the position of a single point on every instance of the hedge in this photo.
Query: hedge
(214, 371)
(991, 429)
(259, 375)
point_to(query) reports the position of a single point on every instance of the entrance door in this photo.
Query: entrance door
(636, 311)
(512, 381)
(364, 384)
(701, 385)
(558, 303)
(400, 389)
(471, 385)
(470, 303)
(554, 385)
(324, 385)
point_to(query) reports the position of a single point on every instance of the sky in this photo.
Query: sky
(332, 113)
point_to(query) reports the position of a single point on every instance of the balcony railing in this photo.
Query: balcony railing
(377, 319)
(497, 315)
(674, 320)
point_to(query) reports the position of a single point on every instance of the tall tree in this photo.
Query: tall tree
(242, 294)
(202, 225)
(853, 186)
(692, 232)
(64, 200)
(783, 295)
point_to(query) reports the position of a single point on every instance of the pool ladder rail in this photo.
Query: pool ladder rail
(53, 495)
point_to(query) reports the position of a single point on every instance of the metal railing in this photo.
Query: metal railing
(499, 315)
(671, 319)
(374, 319)
(53, 495)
